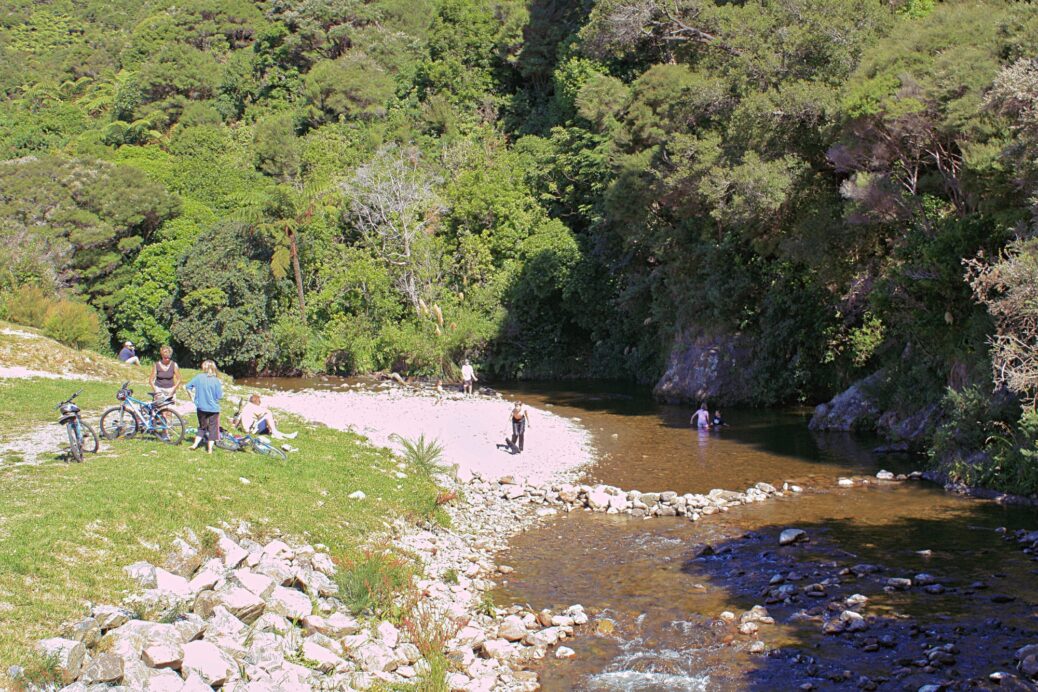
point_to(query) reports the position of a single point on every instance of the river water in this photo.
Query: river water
(655, 595)
(661, 602)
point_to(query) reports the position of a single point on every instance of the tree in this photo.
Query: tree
(393, 206)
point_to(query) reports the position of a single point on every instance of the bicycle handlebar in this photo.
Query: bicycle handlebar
(68, 401)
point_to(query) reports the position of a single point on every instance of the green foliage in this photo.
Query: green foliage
(74, 324)
(371, 583)
(424, 455)
(27, 305)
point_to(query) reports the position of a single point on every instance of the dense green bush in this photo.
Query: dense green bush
(72, 323)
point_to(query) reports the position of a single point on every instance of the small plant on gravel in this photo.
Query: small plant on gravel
(486, 605)
(372, 583)
(451, 576)
(429, 629)
(435, 680)
(425, 455)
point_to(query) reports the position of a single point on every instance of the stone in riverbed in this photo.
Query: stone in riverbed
(791, 536)
(512, 629)
(598, 499)
(899, 583)
(565, 652)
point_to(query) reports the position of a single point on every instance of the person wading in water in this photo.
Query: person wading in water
(520, 420)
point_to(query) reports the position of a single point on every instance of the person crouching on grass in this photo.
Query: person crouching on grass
(259, 419)
(206, 390)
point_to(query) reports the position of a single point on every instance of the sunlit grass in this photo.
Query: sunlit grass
(67, 530)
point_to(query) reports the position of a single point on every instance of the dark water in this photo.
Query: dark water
(654, 604)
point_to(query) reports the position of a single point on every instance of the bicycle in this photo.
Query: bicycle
(133, 416)
(80, 434)
(232, 442)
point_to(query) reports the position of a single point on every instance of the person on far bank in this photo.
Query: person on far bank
(206, 390)
(165, 375)
(520, 420)
(468, 376)
(129, 354)
(701, 418)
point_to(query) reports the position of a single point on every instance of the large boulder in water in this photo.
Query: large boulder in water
(853, 409)
(717, 368)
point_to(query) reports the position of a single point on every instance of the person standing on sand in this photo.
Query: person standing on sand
(701, 418)
(206, 390)
(468, 376)
(520, 419)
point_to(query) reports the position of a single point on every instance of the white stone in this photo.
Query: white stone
(388, 633)
(497, 648)
(357, 495)
(109, 617)
(512, 629)
(326, 660)
(259, 584)
(231, 552)
(163, 656)
(293, 604)
(376, 657)
(143, 573)
(243, 603)
(790, 536)
(565, 652)
(211, 664)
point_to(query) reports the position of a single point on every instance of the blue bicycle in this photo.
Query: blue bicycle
(133, 416)
(81, 437)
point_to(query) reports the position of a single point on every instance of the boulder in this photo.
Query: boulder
(323, 659)
(163, 656)
(790, 536)
(388, 633)
(259, 584)
(164, 681)
(294, 605)
(109, 617)
(242, 603)
(499, 649)
(714, 367)
(565, 652)
(511, 629)
(856, 408)
(232, 553)
(376, 657)
(86, 630)
(143, 573)
(209, 663)
(105, 668)
(130, 639)
(598, 499)
(66, 654)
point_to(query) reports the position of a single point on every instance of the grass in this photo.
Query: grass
(66, 531)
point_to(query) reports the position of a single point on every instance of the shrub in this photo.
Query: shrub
(73, 324)
(28, 305)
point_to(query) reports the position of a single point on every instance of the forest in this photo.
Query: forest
(554, 188)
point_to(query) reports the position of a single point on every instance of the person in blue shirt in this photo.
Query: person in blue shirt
(129, 354)
(206, 390)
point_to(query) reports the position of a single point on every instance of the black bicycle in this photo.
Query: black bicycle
(81, 437)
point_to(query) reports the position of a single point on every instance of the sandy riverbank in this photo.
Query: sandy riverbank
(471, 430)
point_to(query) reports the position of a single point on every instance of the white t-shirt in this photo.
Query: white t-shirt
(467, 373)
(250, 413)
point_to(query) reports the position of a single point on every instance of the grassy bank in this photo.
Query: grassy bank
(67, 530)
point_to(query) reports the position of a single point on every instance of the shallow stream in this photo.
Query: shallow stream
(661, 601)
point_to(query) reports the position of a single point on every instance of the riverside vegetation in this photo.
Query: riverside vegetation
(815, 190)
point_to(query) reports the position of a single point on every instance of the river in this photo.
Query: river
(656, 593)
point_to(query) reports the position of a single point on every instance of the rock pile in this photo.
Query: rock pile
(612, 500)
(268, 617)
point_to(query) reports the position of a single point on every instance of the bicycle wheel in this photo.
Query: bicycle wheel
(90, 442)
(229, 443)
(169, 427)
(118, 421)
(261, 447)
(75, 450)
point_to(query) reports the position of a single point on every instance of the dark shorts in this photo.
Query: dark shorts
(261, 427)
(208, 425)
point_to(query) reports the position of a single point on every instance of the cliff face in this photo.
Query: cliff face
(717, 368)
